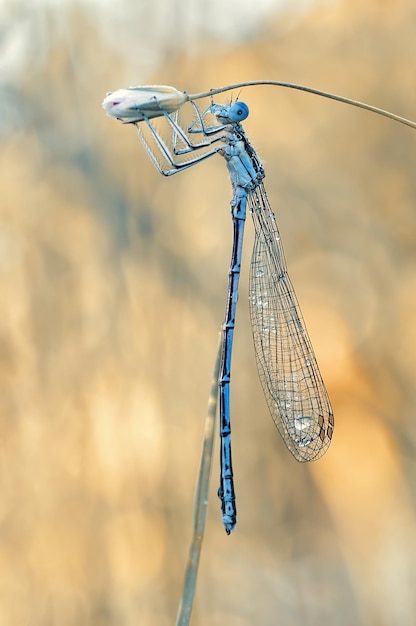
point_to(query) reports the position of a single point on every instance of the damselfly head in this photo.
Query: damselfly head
(230, 113)
(134, 104)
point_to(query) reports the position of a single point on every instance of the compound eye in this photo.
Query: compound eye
(238, 112)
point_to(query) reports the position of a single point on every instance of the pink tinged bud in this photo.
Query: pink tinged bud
(129, 105)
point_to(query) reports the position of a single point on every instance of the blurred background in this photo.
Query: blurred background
(113, 285)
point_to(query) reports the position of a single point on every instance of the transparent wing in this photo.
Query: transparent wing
(292, 383)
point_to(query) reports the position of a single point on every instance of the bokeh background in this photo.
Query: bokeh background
(113, 283)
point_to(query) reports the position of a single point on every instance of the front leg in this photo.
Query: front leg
(161, 150)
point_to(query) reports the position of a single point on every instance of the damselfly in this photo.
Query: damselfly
(287, 366)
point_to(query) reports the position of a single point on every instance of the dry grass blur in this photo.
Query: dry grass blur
(113, 285)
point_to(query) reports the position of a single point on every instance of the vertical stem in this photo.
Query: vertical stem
(201, 500)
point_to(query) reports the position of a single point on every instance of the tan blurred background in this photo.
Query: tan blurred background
(113, 284)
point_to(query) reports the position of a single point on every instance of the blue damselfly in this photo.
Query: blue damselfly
(287, 366)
